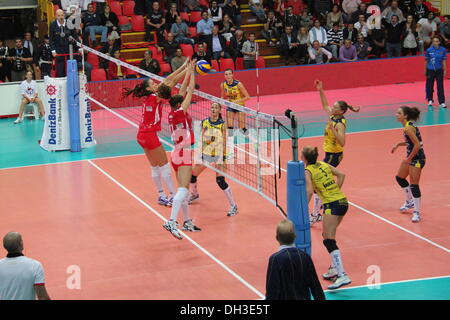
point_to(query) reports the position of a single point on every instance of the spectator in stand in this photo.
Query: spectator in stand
(204, 27)
(445, 31)
(21, 60)
(347, 52)
(291, 274)
(192, 5)
(350, 32)
(169, 46)
(321, 8)
(115, 70)
(236, 43)
(5, 68)
(227, 28)
(217, 45)
(362, 9)
(426, 28)
(109, 48)
(406, 5)
(335, 40)
(363, 48)
(334, 16)
(272, 29)
(435, 69)
(155, 22)
(201, 53)
(21, 278)
(92, 24)
(290, 19)
(149, 64)
(419, 11)
(28, 89)
(45, 57)
(181, 32)
(257, 8)
(232, 9)
(377, 40)
(394, 31)
(303, 43)
(289, 46)
(317, 54)
(250, 51)
(32, 45)
(171, 16)
(409, 35)
(306, 19)
(393, 10)
(349, 7)
(178, 60)
(109, 19)
(361, 26)
(318, 33)
(215, 12)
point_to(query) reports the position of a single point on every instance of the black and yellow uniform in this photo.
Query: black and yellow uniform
(333, 199)
(212, 140)
(232, 93)
(333, 150)
(418, 160)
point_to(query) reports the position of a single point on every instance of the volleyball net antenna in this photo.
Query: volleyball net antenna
(252, 158)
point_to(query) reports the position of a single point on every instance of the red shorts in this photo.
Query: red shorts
(148, 140)
(181, 157)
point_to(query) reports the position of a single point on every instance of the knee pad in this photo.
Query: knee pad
(330, 244)
(222, 183)
(402, 182)
(415, 190)
(193, 179)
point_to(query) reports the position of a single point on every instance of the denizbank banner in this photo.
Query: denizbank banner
(56, 134)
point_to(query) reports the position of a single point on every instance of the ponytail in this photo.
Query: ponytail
(140, 90)
(412, 114)
(344, 106)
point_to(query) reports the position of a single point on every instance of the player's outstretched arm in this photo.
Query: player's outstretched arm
(190, 90)
(175, 76)
(323, 98)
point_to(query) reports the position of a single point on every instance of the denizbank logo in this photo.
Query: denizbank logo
(51, 91)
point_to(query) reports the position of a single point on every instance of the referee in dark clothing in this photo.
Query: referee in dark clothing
(291, 274)
(59, 41)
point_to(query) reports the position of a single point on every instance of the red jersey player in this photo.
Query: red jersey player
(147, 136)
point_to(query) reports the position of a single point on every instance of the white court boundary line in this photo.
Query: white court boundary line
(206, 252)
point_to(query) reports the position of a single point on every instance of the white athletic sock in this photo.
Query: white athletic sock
(167, 177)
(416, 204)
(230, 197)
(317, 204)
(185, 208)
(337, 262)
(408, 193)
(156, 176)
(178, 202)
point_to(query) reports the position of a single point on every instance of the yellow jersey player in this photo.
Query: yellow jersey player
(320, 178)
(414, 162)
(213, 139)
(234, 91)
(334, 138)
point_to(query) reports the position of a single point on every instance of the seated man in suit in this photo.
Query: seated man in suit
(217, 45)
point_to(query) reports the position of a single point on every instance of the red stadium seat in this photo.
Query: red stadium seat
(128, 8)
(122, 21)
(261, 62)
(215, 65)
(137, 22)
(98, 75)
(195, 16)
(187, 50)
(192, 32)
(165, 68)
(226, 64)
(240, 63)
(93, 60)
(156, 54)
(184, 16)
(116, 7)
(204, 3)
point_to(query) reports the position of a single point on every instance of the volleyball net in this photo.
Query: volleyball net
(252, 157)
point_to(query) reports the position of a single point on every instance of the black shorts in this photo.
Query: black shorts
(232, 110)
(333, 158)
(336, 208)
(418, 163)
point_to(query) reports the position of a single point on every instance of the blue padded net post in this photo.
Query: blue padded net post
(73, 90)
(297, 205)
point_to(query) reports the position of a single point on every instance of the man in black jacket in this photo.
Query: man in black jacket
(236, 43)
(45, 57)
(289, 45)
(92, 23)
(394, 30)
(291, 274)
(59, 41)
(217, 45)
(19, 57)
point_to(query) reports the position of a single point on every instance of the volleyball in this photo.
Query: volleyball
(202, 67)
